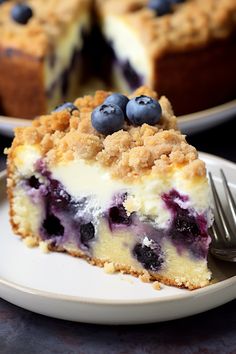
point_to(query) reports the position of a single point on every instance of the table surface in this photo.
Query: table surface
(214, 331)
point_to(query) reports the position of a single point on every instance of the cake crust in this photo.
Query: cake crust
(143, 275)
(197, 86)
(29, 71)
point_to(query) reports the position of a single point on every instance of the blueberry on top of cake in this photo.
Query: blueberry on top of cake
(21, 13)
(133, 194)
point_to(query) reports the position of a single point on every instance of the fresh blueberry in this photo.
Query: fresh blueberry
(107, 118)
(66, 106)
(87, 232)
(143, 109)
(52, 226)
(161, 7)
(21, 13)
(150, 258)
(118, 99)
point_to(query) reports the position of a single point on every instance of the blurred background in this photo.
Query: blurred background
(56, 50)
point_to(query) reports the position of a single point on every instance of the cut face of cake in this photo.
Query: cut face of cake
(41, 48)
(112, 180)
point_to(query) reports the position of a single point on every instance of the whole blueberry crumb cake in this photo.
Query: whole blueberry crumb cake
(183, 49)
(109, 178)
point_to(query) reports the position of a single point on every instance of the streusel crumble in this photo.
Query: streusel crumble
(129, 153)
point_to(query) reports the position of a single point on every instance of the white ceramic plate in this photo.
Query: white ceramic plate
(188, 124)
(61, 286)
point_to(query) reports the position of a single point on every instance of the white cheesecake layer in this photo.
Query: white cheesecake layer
(127, 45)
(80, 179)
(64, 49)
(25, 157)
(119, 82)
(144, 197)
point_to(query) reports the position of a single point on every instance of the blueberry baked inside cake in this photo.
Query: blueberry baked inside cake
(109, 178)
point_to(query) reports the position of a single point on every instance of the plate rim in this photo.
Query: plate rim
(207, 290)
(201, 115)
(186, 118)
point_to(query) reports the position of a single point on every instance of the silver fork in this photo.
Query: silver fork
(223, 231)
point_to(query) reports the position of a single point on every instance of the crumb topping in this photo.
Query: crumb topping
(30, 241)
(109, 268)
(48, 23)
(156, 285)
(192, 23)
(128, 153)
(145, 277)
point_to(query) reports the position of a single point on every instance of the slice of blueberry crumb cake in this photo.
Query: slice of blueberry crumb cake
(111, 179)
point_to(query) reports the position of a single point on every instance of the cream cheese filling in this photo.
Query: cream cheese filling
(71, 40)
(127, 45)
(81, 178)
(143, 197)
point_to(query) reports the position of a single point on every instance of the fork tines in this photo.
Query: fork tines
(228, 234)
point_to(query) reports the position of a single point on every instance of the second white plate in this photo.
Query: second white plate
(61, 286)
